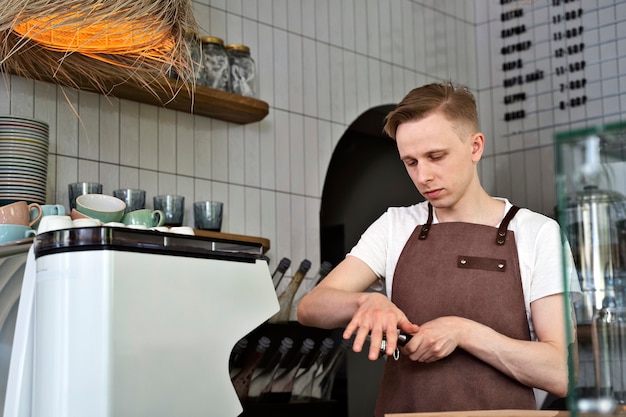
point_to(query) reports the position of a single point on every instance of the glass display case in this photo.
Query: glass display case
(591, 189)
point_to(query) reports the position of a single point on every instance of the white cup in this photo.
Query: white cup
(115, 224)
(86, 223)
(182, 230)
(54, 222)
(137, 226)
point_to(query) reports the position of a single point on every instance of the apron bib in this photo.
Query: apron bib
(465, 270)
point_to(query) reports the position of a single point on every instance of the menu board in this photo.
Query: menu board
(559, 63)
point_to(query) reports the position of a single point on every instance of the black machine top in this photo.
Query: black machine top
(144, 241)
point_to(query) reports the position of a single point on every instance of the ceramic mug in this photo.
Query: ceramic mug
(182, 230)
(54, 222)
(13, 232)
(103, 207)
(75, 214)
(50, 210)
(145, 217)
(20, 213)
(85, 223)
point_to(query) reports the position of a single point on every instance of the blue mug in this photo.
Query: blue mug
(13, 232)
(52, 210)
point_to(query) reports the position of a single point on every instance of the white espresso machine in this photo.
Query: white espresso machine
(124, 322)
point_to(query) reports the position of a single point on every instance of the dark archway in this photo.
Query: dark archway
(365, 176)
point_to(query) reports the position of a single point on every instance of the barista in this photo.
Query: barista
(475, 280)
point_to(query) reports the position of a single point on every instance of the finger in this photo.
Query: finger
(374, 351)
(428, 358)
(360, 338)
(376, 338)
(407, 327)
(391, 342)
(413, 348)
(347, 332)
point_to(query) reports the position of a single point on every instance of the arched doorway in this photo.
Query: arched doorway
(365, 176)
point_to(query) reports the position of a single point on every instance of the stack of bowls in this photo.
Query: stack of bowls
(23, 160)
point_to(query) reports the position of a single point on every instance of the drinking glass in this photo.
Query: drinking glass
(208, 215)
(173, 206)
(79, 188)
(135, 199)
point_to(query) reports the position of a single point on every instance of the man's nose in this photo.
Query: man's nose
(423, 174)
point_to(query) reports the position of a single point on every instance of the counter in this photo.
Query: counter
(493, 413)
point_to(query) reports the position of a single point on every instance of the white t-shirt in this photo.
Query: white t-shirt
(538, 240)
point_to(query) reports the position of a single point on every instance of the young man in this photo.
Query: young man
(475, 281)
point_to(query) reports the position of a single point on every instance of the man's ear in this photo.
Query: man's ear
(478, 146)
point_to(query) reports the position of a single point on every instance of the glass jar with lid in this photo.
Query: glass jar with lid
(242, 70)
(215, 72)
(195, 54)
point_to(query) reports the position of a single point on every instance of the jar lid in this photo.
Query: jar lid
(591, 194)
(238, 47)
(212, 39)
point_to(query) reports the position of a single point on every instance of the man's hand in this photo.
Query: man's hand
(377, 316)
(434, 340)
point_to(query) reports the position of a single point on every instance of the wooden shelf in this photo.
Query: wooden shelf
(204, 101)
(265, 243)
(175, 95)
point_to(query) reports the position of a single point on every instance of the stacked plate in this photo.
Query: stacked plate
(23, 160)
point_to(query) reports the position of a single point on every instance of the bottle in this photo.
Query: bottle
(261, 382)
(235, 356)
(241, 381)
(279, 273)
(322, 386)
(215, 71)
(608, 339)
(285, 300)
(325, 268)
(280, 388)
(303, 384)
(242, 70)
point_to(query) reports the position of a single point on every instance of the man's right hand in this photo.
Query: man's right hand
(377, 317)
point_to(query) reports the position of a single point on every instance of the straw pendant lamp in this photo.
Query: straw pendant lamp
(101, 43)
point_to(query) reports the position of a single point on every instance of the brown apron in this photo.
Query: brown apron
(466, 270)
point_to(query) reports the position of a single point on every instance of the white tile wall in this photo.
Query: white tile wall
(320, 64)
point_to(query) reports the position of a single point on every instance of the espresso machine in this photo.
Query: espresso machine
(125, 322)
(591, 188)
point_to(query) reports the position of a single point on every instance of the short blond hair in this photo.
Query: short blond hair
(455, 103)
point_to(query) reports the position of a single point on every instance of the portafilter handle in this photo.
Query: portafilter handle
(403, 339)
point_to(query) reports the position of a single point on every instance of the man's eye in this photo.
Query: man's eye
(436, 157)
(410, 163)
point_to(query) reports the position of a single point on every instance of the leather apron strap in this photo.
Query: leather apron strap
(466, 270)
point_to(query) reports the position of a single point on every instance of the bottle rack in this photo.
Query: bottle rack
(336, 407)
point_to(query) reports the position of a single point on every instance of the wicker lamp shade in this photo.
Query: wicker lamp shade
(101, 42)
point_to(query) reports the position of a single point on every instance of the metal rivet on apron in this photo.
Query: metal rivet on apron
(463, 261)
(502, 233)
(500, 265)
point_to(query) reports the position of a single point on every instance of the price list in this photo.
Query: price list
(569, 71)
(542, 42)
